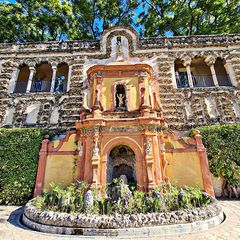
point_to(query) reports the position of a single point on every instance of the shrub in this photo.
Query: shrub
(166, 198)
(19, 149)
(223, 149)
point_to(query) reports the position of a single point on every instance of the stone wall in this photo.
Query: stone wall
(183, 107)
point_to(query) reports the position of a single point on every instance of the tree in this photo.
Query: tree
(189, 17)
(49, 20)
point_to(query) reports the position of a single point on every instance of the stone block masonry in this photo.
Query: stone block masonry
(198, 77)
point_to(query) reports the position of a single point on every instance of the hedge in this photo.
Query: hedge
(19, 149)
(223, 148)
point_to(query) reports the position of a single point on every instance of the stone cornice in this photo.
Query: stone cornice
(144, 43)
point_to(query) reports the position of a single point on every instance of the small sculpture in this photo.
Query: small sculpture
(148, 146)
(121, 100)
(88, 199)
(95, 148)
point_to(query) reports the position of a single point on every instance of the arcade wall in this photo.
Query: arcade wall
(184, 107)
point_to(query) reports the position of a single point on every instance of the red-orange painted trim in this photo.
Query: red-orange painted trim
(61, 142)
(41, 167)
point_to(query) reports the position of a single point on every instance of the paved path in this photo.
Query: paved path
(228, 230)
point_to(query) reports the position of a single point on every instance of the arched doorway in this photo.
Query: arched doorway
(122, 161)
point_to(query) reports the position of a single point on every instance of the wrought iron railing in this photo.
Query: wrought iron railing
(41, 86)
(223, 80)
(202, 80)
(21, 86)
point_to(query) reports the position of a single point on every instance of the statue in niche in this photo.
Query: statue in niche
(120, 99)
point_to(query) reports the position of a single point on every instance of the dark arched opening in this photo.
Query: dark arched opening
(22, 80)
(122, 161)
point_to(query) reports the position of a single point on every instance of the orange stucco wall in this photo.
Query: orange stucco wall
(184, 169)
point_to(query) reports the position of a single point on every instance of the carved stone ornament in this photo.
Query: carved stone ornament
(95, 148)
(80, 148)
(148, 146)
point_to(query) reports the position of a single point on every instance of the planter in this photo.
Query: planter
(114, 225)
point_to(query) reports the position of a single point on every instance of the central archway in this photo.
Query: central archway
(135, 147)
(121, 161)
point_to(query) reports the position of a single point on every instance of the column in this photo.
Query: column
(190, 81)
(69, 77)
(174, 81)
(42, 161)
(95, 158)
(186, 64)
(206, 175)
(229, 69)
(214, 76)
(32, 71)
(54, 73)
(149, 162)
(13, 80)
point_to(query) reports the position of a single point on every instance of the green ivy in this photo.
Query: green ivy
(19, 149)
(223, 149)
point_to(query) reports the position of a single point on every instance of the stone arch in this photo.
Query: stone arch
(127, 32)
(42, 78)
(138, 154)
(22, 78)
(201, 73)
(121, 161)
(221, 73)
(180, 71)
(61, 77)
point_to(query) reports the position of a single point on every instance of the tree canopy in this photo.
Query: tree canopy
(53, 20)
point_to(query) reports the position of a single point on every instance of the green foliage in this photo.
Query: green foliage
(54, 20)
(19, 149)
(48, 20)
(69, 199)
(166, 198)
(190, 17)
(223, 148)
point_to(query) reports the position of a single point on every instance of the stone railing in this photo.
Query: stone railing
(155, 42)
(197, 40)
(50, 46)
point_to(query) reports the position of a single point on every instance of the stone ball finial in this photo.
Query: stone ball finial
(196, 132)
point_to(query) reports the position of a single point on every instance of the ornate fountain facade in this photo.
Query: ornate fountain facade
(118, 98)
(122, 131)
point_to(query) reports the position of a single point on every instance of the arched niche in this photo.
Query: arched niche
(122, 161)
(22, 80)
(43, 78)
(181, 74)
(221, 73)
(61, 78)
(201, 73)
(120, 98)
